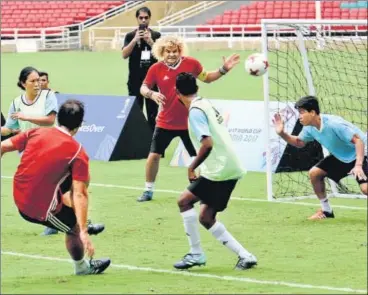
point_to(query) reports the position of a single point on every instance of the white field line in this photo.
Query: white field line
(193, 274)
(232, 198)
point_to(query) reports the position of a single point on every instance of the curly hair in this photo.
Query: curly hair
(158, 48)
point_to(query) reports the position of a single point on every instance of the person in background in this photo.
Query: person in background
(51, 181)
(44, 81)
(137, 47)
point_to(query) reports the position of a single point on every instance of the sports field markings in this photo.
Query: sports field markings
(232, 198)
(193, 274)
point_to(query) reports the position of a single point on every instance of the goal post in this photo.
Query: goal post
(325, 58)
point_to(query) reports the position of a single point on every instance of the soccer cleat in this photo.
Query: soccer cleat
(320, 214)
(246, 262)
(94, 229)
(49, 231)
(190, 260)
(96, 266)
(147, 196)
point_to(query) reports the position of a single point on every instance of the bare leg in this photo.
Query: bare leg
(152, 166)
(207, 216)
(74, 244)
(317, 177)
(219, 231)
(364, 188)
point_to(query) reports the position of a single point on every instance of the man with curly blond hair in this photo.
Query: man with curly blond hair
(171, 122)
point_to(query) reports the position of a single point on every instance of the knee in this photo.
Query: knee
(364, 189)
(75, 231)
(316, 174)
(206, 219)
(154, 157)
(184, 203)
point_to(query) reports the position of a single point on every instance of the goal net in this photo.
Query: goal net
(327, 59)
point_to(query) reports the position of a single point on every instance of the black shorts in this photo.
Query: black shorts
(336, 170)
(64, 221)
(215, 194)
(162, 138)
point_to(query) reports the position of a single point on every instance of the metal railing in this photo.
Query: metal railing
(70, 38)
(66, 37)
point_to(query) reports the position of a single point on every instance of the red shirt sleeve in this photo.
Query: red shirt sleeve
(197, 67)
(20, 140)
(80, 167)
(150, 79)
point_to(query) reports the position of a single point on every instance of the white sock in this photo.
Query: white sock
(150, 186)
(192, 230)
(325, 205)
(219, 231)
(81, 266)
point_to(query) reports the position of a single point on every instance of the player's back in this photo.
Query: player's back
(45, 162)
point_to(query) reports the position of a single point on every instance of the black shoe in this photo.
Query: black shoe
(329, 214)
(94, 229)
(97, 266)
(246, 263)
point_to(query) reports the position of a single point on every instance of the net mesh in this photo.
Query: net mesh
(338, 66)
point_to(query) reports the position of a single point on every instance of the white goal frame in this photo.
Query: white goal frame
(269, 27)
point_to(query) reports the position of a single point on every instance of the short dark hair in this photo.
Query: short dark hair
(44, 74)
(24, 73)
(143, 9)
(186, 84)
(308, 103)
(71, 114)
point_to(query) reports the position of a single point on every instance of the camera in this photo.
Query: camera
(142, 27)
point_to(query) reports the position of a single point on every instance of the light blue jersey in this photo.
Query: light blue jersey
(199, 122)
(335, 135)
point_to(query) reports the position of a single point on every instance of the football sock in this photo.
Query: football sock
(150, 186)
(326, 205)
(192, 230)
(219, 231)
(81, 266)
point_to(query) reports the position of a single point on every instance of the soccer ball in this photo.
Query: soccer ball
(256, 64)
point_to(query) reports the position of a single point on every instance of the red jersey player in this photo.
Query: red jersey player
(172, 118)
(52, 166)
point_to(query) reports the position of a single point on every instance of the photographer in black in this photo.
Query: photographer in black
(137, 47)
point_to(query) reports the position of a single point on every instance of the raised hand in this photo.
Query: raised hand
(231, 61)
(278, 123)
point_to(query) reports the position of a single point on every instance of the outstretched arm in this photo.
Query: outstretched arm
(228, 64)
(290, 139)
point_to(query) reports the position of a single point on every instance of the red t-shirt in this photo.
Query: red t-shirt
(172, 115)
(50, 155)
